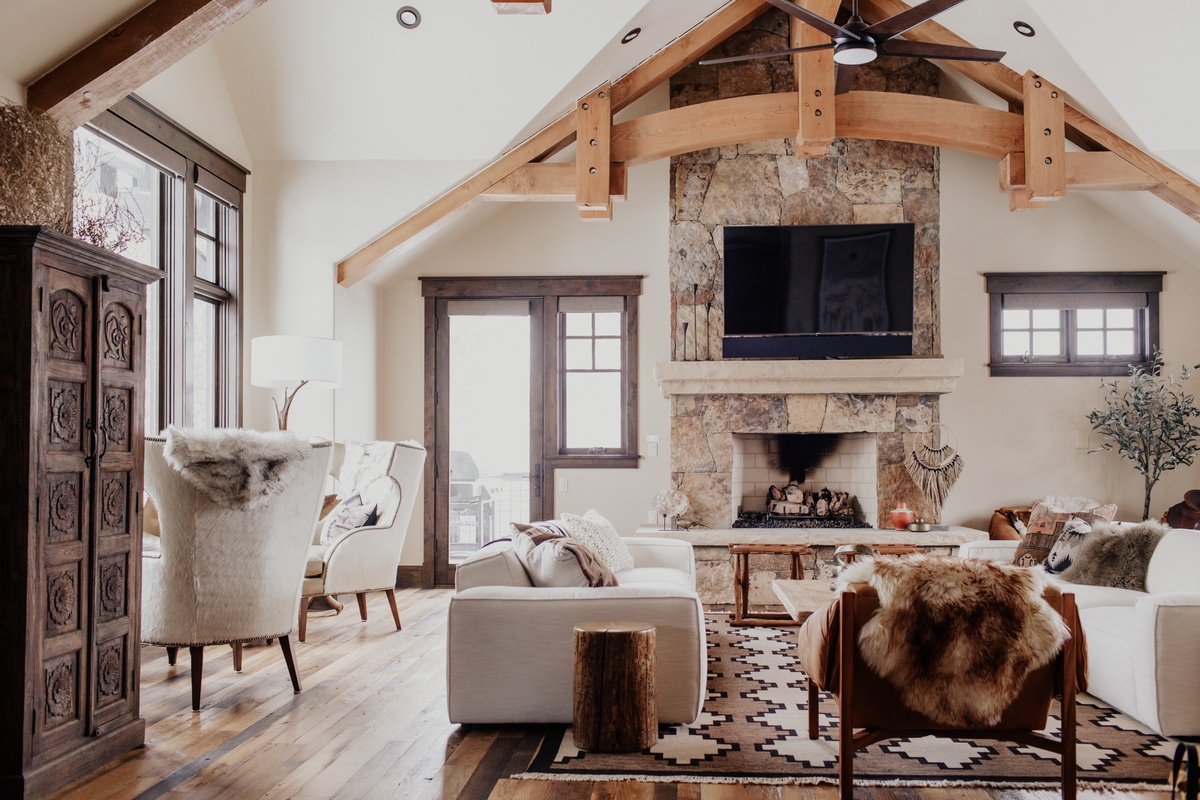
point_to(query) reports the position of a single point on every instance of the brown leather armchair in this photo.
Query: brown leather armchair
(870, 708)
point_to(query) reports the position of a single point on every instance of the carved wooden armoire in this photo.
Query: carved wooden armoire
(72, 367)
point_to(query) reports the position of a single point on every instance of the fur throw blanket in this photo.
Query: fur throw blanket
(237, 469)
(1116, 556)
(957, 637)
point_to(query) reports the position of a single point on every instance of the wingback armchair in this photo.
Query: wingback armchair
(222, 573)
(357, 559)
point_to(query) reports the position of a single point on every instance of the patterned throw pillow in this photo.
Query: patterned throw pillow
(552, 558)
(1062, 554)
(599, 536)
(347, 515)
(1046, 524)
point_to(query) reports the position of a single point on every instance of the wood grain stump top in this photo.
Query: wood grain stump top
(616, 709)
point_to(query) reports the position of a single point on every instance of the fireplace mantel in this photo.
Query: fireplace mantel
(921, 376)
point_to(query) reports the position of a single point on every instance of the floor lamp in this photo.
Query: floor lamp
(284, 362)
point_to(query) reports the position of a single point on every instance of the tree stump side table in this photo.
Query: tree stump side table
(615, 702)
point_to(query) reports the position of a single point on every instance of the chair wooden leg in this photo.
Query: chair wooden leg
(362, 605)
(197, 654)
(172, 655)
(813, 708)
(391, 596)
(237, 656)
(285, 644)
(305, 602)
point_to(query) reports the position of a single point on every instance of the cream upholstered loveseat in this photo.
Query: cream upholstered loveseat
(510, 645)
(1142, 646)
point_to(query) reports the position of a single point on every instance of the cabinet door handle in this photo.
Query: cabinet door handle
(103, 443)
(91, 429)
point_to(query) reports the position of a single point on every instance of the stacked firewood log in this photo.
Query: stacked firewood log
(794, 500)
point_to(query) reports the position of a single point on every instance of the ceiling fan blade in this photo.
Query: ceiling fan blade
(946, 52)
(771, 54)
(845, 77)
(906, 20)
(818, 22)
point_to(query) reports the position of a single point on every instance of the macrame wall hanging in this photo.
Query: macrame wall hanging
(934, 469)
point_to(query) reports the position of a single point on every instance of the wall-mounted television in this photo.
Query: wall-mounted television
(818, 291)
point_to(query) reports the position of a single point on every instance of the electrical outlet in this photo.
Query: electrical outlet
(651, 517)
(562, 483)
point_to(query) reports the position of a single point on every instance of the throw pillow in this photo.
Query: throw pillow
(1046, 525)
(1117, 557)
(599, 536)
(1062, 554)
(552, 558)
(150, 523)
(328, 504)
(347, 515)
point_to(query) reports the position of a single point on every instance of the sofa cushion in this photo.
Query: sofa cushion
(552, 558)
(1111, 654)
(1173, 566)
(494, 564)
(1046, 523)
(1116, 557)
(1097, 596)
(658, 576)
(599, 536)
(314, 566)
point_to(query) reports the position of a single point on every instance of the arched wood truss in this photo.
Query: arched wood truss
(1029, 142)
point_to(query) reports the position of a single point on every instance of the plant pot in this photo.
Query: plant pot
(902, 516)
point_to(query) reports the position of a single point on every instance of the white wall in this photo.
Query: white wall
(1023, 438)
(548, 239)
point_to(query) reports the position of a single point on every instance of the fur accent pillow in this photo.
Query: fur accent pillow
(956, 637)
(347, 515)
(236, 468)
(1046, 524)
(599, 536)
(552, 558)
(1117, 557)
(1062, 554)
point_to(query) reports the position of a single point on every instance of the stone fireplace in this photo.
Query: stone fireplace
(883, 405)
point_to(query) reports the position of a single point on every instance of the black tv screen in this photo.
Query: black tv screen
(818, 291)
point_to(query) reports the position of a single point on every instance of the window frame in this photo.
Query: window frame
(1068, 292)
(188, 165)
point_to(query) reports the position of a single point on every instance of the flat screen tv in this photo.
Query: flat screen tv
(818, 291)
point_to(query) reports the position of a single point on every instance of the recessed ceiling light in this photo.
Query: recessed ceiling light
(629, 37)
(1024, 28)
(408, 17)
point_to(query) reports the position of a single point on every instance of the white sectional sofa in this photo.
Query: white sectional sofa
(1143, 647)
(510, 645)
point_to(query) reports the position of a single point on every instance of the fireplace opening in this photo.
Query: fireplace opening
(824, 480)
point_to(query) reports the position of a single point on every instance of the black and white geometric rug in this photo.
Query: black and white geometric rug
(754, 729)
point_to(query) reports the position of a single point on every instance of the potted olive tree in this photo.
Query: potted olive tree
(1151, 421)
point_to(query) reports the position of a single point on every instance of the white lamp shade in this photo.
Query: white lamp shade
(281, 361)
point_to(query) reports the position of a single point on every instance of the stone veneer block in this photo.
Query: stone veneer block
(806, 413)
(689, 446)
(874, 214)
(741, 413)
(743, 191)
(852, 413)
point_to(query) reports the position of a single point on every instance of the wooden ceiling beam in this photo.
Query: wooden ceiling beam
(593, 122)
(1045, 141)
(129, 55)
(1100, 171)
(1082, 130)
(551, 182)
(521, 6)
(815, 82)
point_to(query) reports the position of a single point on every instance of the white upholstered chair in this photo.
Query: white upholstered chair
(222, 574)
(363, 559)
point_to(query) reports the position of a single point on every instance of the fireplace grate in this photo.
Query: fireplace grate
(759, 519)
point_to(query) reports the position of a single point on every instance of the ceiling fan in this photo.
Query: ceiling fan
(856, 42)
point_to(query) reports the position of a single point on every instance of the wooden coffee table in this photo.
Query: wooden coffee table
(802, 598)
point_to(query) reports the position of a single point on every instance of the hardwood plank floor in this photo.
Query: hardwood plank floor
(371, 723)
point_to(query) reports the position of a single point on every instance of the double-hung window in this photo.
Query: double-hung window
(1072, 323)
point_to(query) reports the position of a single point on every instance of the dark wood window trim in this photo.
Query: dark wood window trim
(190, 164)
(1068, 291)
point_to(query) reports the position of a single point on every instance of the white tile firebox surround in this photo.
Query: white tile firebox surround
(847, 465)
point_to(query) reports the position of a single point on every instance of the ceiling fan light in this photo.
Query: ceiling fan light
(854, 53)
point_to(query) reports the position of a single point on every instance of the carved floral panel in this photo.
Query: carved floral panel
(62, 689)
(114, 502)
(112, 587)
(116, 419)
(62, 598)
(66, 421)
(110, 670)
(117, 345)
(65, 505)
(67, 319)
